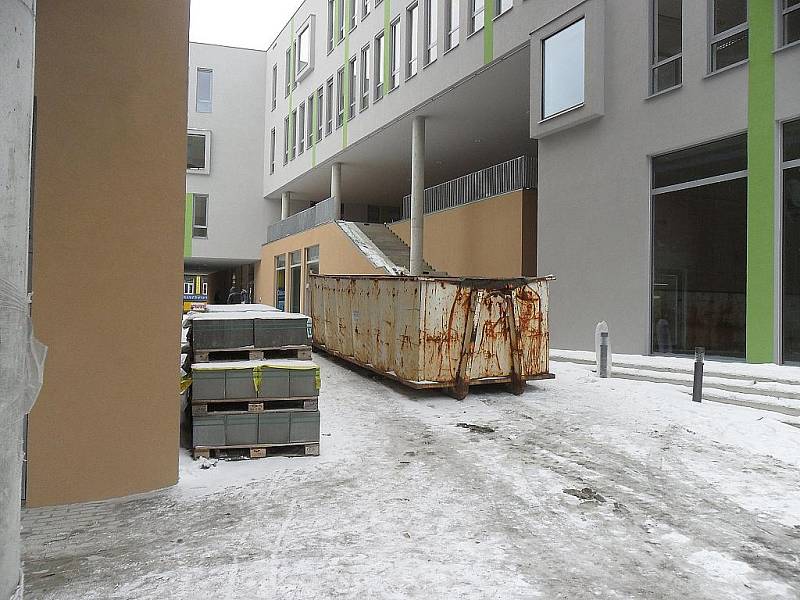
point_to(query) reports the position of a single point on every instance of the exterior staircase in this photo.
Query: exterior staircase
(765, 387)
(388, 245)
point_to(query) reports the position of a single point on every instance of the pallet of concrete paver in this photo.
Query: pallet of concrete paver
(255, 379)
(268, 428)
(251, 353)
(242, 330)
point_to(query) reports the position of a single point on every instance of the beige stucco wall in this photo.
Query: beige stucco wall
(108, 246)
(495, 237)
(337, 255)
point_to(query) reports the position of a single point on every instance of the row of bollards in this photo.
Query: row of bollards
(603, 361)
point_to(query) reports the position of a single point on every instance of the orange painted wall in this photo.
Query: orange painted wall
(495, 237)
(337, 255)
(109, 202)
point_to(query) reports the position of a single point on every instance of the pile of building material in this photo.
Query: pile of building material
(255, 389)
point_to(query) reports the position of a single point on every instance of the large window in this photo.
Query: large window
(329, 107)
(274, 86)
(394, 30)
(301, 128)
(476, 12)
(431, 30)
(352, 87)
(272, 151)
(205, 79)
(700, 249)
(303, 49)
(295, 264)
(280, 282)
(365, 78)
(200, 215)
(790, 21)
(198, 150)
(791, 241)
(667, 45)
(729, 37)
(340, 98)
(380, 49)
(453, 19)
(412, 39)
(564, 69)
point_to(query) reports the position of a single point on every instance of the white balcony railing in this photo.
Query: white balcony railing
(320, 213)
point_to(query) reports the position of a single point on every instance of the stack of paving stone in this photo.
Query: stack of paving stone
(255, 389)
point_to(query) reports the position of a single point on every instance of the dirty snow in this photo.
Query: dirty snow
(684, 501)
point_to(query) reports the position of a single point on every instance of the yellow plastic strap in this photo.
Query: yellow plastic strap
(257, 378)
(185, 383)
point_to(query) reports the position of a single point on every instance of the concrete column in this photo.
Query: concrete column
(417, 193)
(16, 106)
(286, 197)
(336, 189)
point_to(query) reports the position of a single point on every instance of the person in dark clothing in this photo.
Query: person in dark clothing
(235, 295)
(245, 296)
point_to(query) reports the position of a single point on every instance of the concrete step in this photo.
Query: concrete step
(394, 248)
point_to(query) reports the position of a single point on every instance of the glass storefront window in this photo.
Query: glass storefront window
(700, 250)
(280, 282)
(295, 259)
(791, 241)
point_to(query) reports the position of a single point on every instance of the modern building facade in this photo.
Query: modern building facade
(663, 136)
(107, 213)
(225, 207)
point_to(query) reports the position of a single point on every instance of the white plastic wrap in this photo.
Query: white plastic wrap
(22, 357)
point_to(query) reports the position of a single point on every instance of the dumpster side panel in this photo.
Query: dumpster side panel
(492, 355)
(445, 308)
(404, 309)
(531, 303)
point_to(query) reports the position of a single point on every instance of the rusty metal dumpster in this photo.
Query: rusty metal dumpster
(436, 332)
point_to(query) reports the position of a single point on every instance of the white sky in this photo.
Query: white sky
(244, 23)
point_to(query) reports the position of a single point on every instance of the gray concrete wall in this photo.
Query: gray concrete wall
(237, 213)
(594, 179)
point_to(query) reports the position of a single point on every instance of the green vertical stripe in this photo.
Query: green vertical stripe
(387, 33)
(488, 31)
(187, 225)
(761, 184)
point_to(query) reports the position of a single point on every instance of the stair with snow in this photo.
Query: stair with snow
(768, 387)
(383, 247)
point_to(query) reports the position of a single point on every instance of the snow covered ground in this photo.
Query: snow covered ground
(586, 488)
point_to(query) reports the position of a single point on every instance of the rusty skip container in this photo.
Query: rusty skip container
(436, 332)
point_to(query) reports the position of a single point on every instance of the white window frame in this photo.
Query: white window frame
(330, 105)
(498, 8)
(320, 100)
(431, 16)
(378, 64)
(287, 81)
(394, 54)
(204, 106)
(340, 98)
(299, 71)
(272, 143)
(188, 287)
(412, 39)
(353, 13)
(205, 133)
(202, 229)
(366, 8)
(274, 86)
(656, 64)
(452, 31)
(204, 288)
(785, 11)
(718, 38)
(352, 82)
(310, 120)
(365, 78)
(331, 25)
(473, 16)
(582, 102)
(286, 125)
(300, 128)
(293, 135)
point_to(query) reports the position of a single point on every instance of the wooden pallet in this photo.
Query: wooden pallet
(296, 352)
(256, 405)
(257, 450)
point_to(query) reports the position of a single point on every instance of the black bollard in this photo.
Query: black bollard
(697, 390)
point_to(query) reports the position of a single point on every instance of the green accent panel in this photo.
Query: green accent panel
(188, 216)
(761, 185)
(488, 32)
(387, 32)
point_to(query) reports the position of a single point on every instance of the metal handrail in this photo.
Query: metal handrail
(515, 174)
(319, 214)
